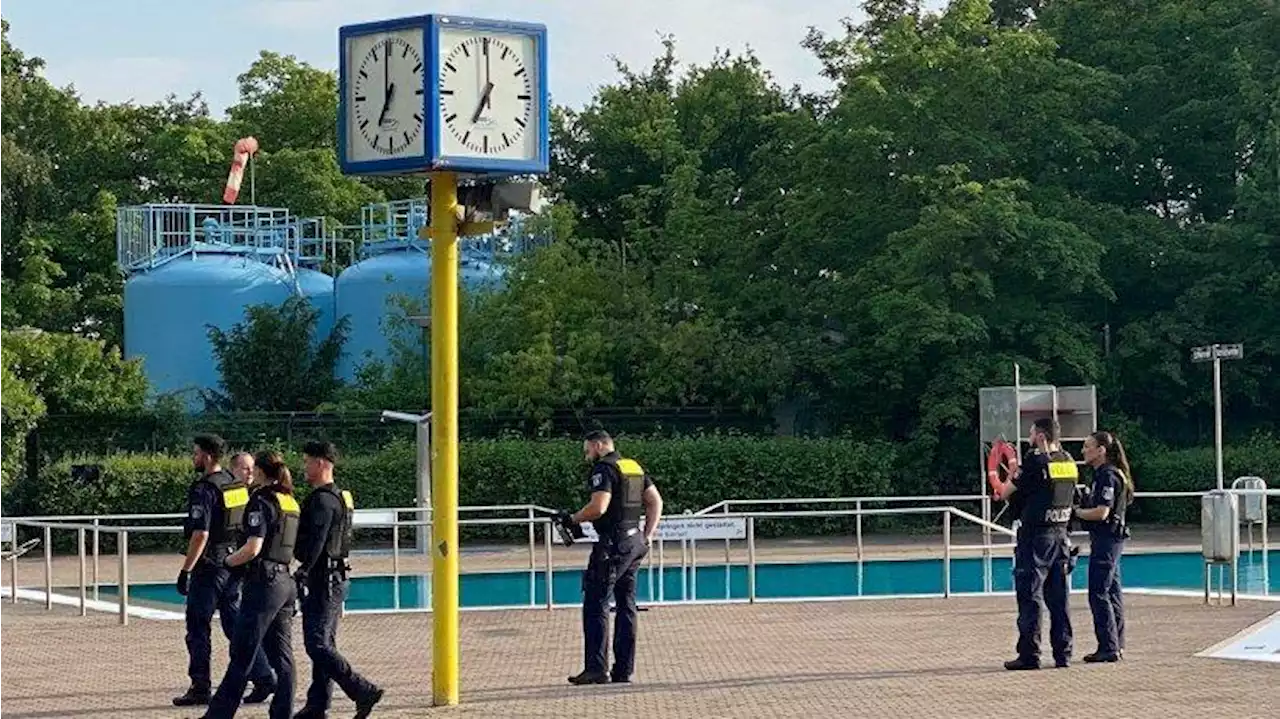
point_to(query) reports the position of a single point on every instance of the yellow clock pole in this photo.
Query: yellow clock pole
(444, 440)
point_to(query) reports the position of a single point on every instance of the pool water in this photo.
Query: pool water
(773, 581)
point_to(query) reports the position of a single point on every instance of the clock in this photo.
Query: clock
(443, 93)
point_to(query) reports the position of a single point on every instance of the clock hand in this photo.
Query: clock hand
(484, 100)
(386, 80)
(391, 93)
(488, 100)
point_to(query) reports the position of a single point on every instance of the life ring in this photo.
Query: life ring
(1003, 459)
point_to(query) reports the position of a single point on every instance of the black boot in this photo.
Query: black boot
(195, 696)
(1022, 663)
(310, 712)
(1099, 657)
(589, 678)
(364, 705)
(261, 692)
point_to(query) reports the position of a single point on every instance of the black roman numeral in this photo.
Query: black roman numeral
(522, 97)
(505, 51)
(406, 52)
(450, 117)
(360, 98)
(406, 138)
(364, 124)
(451, 67)
(505, 141)
(442, 92)
(519, 72)
(465, 51)
(417, 67)
(486, 143)
(364, 74)
(520, 122)
(417, 117)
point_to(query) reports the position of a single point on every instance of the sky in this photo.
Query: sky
(143, 50)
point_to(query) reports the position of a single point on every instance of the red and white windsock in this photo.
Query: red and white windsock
(245, 147)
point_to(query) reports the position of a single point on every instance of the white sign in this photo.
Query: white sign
(373, 518)
(6, 532)
(675, 529)
(1259, 643)
(1221, 352)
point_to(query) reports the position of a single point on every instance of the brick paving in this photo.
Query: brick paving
(916, 658)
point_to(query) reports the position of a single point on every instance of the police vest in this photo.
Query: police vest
(627, 505)
(233, 497)
(283, 533)
(1063, 475)
(338, 544)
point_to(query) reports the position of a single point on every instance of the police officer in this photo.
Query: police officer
(1104, 516)
(266, 618)
(215, 514)
(1044, 489)
(324, 542)
(620, 493)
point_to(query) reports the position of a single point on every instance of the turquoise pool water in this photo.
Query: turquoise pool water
(773, 581)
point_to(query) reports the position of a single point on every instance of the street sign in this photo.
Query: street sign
(1208, 353)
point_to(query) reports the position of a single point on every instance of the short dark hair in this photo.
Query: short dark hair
(210, 444)
(597, 435)
(1049, 427)
(320, 449)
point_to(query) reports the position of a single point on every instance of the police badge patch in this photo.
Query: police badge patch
(1108, 493)
(254, 519)
(197, 512)
(597, 479)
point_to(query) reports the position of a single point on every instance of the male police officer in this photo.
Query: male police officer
(242, 468)
(323, 545)
(215, 511)
(620, 492)
(1046, 482)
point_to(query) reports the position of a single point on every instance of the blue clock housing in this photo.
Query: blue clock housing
(432, 159)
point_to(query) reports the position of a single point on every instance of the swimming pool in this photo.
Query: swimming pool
(408, 592)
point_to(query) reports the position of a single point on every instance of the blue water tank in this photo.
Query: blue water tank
(167, 311)
(364, 291)
(317, 287)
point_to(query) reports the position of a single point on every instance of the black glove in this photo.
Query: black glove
(568, 529)
(184, 582)
(300, 579)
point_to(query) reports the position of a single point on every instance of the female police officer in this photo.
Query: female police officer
(1104, 515)
(266, 613)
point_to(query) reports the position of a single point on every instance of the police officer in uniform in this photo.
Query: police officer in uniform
(1044, 489)
(215, 514)
(266, 618)
(324, 541)
(1104, 515)
(620, 494)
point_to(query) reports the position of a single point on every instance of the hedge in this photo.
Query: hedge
(691, 473)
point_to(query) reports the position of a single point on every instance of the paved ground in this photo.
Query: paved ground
(884, 658)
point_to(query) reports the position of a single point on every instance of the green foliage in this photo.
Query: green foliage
(22, 410)
(72, 374)
(691, 474)
(275, 361)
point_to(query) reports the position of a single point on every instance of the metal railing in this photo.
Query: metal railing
(86, 525)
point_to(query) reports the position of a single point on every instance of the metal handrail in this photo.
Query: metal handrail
(839, 500)
(688, 547)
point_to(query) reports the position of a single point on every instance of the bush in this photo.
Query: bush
(1193, 470)
(691, 473)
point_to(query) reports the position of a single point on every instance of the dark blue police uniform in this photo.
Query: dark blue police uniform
(266, 617)
(324, 543)
(215, 504)
(1106, 544)
(1042, 555)
(612, 568)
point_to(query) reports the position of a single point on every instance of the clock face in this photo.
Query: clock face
(385, 80)
(488, 90)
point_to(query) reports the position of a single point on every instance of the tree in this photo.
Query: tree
(22, 410)
(73, 374)
(274, 362)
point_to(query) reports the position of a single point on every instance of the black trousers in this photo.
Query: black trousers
(1106, 601)
(320, 613)
(266, 625)
(214, 587)
(611, 569)
(1040, 577)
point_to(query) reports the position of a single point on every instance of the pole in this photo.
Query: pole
(444, 439)
(253, 185)
(1217, 414)
(423, 441)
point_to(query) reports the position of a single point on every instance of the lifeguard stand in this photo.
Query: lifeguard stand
(1008, 412)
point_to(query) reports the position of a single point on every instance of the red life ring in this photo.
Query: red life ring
(1003, 458)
